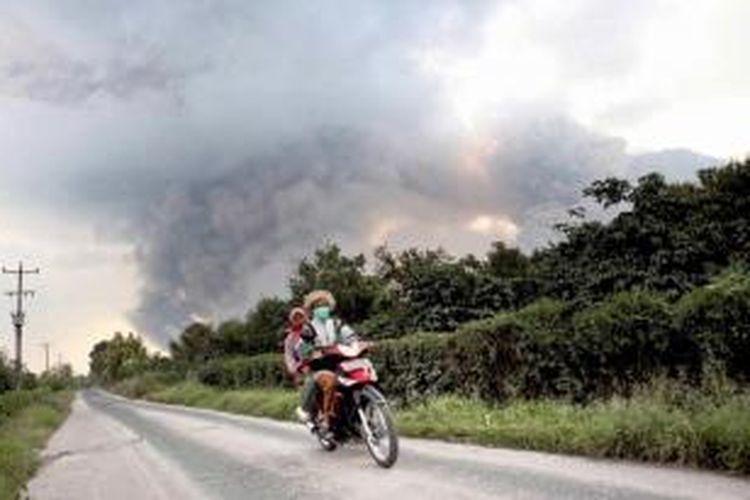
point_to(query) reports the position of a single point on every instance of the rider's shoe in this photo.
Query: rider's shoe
(325, 431)
(303, 415)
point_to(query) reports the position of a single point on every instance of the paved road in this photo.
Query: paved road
(112, 448)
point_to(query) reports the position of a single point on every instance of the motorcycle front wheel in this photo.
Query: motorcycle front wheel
(378, 429)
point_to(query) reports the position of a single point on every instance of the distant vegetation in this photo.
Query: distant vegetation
(56, 378)
(660, 292)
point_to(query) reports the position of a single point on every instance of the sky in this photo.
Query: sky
(168, 161)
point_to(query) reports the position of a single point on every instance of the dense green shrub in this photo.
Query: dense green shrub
(481, 355)
(550, 348)
(717, 318)
(414, 366)
(390, 325)
(57, 378)
(546, 363)
(623, 341)
(491, 358)
(544, 349)
(145, 383)
(409, 367)
(265, 370)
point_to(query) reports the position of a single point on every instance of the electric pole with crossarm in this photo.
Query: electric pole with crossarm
(18, 316)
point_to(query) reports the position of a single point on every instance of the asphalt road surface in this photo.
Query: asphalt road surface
(112, 448)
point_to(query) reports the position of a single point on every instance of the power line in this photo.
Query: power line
(18, 317)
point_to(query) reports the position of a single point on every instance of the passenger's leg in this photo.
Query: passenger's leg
(306, 410)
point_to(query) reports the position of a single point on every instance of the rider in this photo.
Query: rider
(323, 330)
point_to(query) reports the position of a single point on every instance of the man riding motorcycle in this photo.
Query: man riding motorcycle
(321, 331)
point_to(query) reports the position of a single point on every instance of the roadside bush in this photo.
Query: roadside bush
(551, 349)
(717, 318)
(263, 370)
(494, 358)
(414, 366)
(58, 378)
(546, 364)
(145, 383)
(384, 325)
(624, 341)
(482, 354)
(14, 401)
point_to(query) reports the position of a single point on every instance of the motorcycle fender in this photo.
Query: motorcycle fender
(373, 393)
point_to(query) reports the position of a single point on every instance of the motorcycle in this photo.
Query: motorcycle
(355, 409)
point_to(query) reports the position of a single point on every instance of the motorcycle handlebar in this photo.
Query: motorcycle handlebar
(334, 350)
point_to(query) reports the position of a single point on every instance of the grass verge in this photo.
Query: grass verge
(662, 423)
(714, 437)
(271, 403)
(24, 432)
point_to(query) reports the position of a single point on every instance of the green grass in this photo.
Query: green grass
(663, 423)
(715, 436)
(24, 433)
(272, 403)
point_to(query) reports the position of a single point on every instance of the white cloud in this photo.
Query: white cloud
(688, 84)
(501, 228)
(659, 74)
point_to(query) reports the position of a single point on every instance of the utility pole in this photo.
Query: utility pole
(18, 316)
(46, 356)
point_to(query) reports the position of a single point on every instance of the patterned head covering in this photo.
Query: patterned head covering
(297, 311)
(317, 296)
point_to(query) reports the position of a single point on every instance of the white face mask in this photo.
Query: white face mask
(322, 313)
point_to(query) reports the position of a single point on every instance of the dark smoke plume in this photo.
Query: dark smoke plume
(247, 133)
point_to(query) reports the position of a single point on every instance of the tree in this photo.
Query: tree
(667, 237)
(356, 292)
(433, 291)
(265, 325)
(118, 358)
(232, 337)
(196, 344)
(506, 262)
(98, 359)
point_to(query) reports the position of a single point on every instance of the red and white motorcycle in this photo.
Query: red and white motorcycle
(355, 408)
